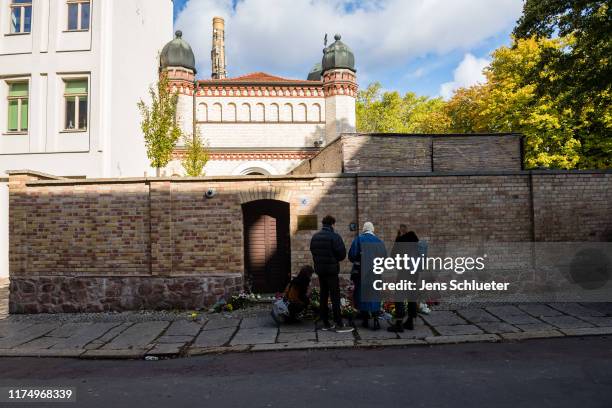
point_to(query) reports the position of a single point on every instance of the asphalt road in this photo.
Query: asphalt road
(572, 372)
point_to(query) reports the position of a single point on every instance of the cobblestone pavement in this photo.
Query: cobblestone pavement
(166, 334)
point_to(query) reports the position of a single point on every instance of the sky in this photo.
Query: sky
(430, 47)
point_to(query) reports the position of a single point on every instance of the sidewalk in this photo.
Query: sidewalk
(165, 334)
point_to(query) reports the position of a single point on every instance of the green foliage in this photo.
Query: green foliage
(578, 75)
(388, 112)
(553, 85)
(196, 156)
(509, 102)
(158, 124)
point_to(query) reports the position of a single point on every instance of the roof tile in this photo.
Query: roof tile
(258, 77)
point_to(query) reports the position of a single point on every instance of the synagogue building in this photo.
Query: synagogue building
(259, 123)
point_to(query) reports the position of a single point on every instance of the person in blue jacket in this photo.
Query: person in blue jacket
(367, 309)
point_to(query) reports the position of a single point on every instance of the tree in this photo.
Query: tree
(509, 102)
(424, 115)
(196, 156)
(466, 108)
(389, 112)
(580, 73)
(159, 127)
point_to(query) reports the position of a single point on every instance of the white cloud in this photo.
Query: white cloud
(417, 73)
(285, 37)
(468, 73)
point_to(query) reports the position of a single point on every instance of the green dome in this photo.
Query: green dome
(177, 53)
(338, 55)
(315, 73)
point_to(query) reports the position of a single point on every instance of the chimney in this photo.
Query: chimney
(217, 54)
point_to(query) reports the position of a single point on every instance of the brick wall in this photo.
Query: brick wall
(159, 227)
(448, 208)
(572, 206)
(142, 230)
(328, 160)
(83, 230)
(479, 152)
(386, 153)
(425, 153)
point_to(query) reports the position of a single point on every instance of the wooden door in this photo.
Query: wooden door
(267, 245)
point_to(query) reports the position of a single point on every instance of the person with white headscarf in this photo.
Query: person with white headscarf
(359, 276)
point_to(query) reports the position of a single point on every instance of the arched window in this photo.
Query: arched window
(216, 113)
(259, 113)
(314, 115)
(202, 112)
(231, 112)
(287, 115)
(273, 116)
(245, 113)
(255, 168)
(300, 113)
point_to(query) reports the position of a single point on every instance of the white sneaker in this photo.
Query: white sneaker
(344, 329)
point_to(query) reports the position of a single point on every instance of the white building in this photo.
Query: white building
(260, 123)
(71, 74)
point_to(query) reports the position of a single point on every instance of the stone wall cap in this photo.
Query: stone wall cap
(558, 171)
(436, 135)
(479, 173)
(206, 179)
(58, 181)
(34, 173)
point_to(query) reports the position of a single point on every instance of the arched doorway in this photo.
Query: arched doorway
(267, 246)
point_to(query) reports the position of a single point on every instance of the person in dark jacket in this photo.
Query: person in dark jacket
(296, 293)
(328, 251)
(405, 236)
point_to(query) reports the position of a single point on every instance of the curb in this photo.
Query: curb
(114, 354)
(140, 354)
(466, 338)
(65, 353)
(544, 334)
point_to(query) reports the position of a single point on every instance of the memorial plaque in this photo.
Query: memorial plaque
(307, 222)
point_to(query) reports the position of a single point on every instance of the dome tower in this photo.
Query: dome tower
(340, 88)
(178, 63)
(177, 59)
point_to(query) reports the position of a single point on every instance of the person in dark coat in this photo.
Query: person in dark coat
(328, 251)
(405, 236)
(296, 293)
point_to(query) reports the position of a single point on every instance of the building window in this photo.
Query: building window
(18, 107)
(76, 104)
(78, 15)
(21, 16)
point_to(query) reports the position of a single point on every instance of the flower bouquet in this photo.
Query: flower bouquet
(347, 310)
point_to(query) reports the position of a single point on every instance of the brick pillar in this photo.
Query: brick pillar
(18, 211)
(162, 245)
